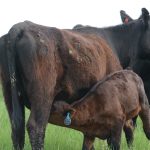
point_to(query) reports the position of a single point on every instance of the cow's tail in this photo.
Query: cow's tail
(17, 117)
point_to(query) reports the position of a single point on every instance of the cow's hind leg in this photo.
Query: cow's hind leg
(88, 143)
(18, 134)
(36, 125)
(41, 100)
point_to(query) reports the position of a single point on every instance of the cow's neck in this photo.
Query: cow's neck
(124, 40)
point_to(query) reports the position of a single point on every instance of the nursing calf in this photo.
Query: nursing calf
(106, 108)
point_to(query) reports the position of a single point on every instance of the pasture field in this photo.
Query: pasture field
(58, 138)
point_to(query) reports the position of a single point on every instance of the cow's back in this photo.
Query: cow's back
(120, 90)
(70, 61)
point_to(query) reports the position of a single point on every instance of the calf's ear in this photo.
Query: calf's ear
(145, 16)
(125, 17)
(72, 111)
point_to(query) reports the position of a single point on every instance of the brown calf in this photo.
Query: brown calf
(107, 107)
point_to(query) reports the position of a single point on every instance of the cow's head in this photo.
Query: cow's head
(126, 18)
(145, 39)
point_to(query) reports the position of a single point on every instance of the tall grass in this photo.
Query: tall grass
(59, 138)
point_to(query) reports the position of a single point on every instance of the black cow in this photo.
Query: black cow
(145, 65)
(130, 42)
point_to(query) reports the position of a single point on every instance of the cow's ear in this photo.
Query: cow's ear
(125, 17)
(145, 16)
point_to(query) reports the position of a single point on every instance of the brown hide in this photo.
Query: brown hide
(112, 101)
(85, 60)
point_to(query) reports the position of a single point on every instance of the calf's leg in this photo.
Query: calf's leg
(134, 121)
(129, 129)
(115, 136)
(88, 142)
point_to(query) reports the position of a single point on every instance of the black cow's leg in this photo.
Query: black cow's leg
(145, 117)
(115, 136)
(37, 123)
(145, 109)
(18, 136)
(88, 142)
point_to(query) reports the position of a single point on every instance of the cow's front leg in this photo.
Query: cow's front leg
(88, 142)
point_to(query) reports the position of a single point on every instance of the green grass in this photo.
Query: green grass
(58, 138)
